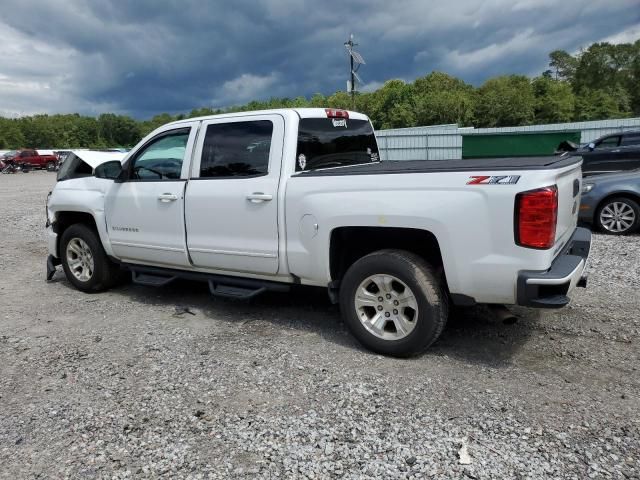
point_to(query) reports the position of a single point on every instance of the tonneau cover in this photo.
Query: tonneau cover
(428, 166)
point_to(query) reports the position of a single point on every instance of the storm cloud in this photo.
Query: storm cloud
(146, 57)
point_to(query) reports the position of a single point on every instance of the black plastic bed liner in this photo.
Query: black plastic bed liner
(431, 166)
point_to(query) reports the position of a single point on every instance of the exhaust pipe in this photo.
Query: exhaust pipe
(503, 313)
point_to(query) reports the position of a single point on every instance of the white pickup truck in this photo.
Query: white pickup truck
(260, 201)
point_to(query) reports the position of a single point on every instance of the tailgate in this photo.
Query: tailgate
(569, 189)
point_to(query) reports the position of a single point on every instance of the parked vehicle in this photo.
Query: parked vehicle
(611, 153)
(8, 155)
(259, 201)
(611, 202)
(11, 166)
(35, 159)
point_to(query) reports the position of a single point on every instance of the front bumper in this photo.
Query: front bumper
(52, 246)
(52, 241)
(550, 288)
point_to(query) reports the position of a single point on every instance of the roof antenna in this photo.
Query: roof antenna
(355, 61)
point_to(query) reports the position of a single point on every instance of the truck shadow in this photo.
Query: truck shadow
(474, 335)
(479, 335)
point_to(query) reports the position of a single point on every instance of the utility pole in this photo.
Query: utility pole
(352, 81)
(355, 60)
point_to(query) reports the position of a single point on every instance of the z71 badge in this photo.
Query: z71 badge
(493, 180)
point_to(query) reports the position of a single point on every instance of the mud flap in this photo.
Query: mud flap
(52, 262)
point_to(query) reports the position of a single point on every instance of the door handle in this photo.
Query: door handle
(259, 197)
(167, 197)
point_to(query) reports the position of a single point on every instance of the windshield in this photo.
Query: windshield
(335, 142)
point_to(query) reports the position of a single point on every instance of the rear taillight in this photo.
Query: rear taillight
(335, 113)
(536, 216)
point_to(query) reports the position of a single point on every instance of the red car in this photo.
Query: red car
(35, 159)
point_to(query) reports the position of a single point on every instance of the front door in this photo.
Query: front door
(145, 213)
(231, 208)
(604, 157)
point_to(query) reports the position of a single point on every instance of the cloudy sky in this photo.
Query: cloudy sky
(144, 57)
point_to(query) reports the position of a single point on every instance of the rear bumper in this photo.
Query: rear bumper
(550, 288)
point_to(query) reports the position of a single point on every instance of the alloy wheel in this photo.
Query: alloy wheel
(386, 307)
(80, 259)
(617, 217)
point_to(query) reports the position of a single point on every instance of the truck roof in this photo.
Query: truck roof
(302, 113)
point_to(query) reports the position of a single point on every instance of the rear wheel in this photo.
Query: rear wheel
(618, 216)
(51, 166)
(393, 302)
(84, 261)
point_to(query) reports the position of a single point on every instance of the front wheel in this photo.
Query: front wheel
(84, 261)
(618, 216)
(393, 302)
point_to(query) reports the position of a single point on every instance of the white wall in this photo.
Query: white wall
(440, 142)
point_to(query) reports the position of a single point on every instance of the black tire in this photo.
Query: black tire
(105, 273)
(629, 203)
(51, 166)
(426, 287)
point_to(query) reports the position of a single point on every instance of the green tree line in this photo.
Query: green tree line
(600, 82)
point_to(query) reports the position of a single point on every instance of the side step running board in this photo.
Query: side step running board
(229, 291)
(219, 285)
(151, 280)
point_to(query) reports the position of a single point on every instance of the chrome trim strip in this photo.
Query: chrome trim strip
(557, 281)
(150, 247)
(234, 252)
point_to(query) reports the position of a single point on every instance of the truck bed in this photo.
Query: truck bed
(432, 166)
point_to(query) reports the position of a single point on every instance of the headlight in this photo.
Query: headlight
(587, 187)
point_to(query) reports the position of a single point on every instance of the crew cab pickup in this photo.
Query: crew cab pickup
(36, 159)
(264, 200)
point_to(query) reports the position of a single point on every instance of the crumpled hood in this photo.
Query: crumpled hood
(94, 158)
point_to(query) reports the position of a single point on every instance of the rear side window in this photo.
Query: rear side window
(332, 142)
(236, 149)
(633, 139)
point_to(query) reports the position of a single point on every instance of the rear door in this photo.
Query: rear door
(26, 157)
(629, 151)
(145, 213)
(231, 209)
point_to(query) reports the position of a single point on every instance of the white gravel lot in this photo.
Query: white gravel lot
(116, 385)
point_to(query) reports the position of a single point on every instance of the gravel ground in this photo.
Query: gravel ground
(120, 385)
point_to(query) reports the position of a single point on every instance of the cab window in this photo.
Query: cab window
(161, 159)
(608, 142)
(236, 149)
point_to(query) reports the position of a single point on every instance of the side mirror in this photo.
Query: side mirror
(591, 146)
(109, 170)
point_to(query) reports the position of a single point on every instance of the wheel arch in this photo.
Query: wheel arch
(348, 244)
(65, 219)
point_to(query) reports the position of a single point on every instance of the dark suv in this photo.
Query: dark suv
(611, 153)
